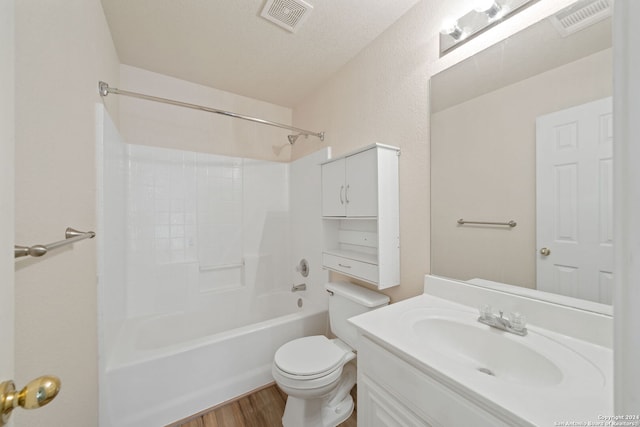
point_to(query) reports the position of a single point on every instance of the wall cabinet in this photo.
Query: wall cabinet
(360, 208)
(349, 189)
(399, 394)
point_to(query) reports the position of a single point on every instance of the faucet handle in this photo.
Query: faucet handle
(486, 312)
(518, 321)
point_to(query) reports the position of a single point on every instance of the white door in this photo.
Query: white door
(333, 189)
(574, 172)
(6, 188)
(361, 191)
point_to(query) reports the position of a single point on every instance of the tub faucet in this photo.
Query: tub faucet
(515, 324)
(300, 287)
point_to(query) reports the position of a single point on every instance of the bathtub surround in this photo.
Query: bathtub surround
(202, 271)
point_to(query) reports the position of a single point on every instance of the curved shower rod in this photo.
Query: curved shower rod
(105, 90)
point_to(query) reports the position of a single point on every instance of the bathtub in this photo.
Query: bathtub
(169, 367)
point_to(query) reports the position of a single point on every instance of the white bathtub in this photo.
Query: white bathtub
(173, 366)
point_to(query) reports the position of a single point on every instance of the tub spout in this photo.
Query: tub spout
(300, 287)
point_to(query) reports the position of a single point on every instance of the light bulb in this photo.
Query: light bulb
(450, 27)
(490, 7)
(484, 5)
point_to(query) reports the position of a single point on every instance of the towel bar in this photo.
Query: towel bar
(70, 236)
(511, 223)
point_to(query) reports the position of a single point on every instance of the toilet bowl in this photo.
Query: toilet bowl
(318, 373)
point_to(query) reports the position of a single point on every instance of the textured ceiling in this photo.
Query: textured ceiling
(225, 44)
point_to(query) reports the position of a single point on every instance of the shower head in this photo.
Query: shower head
(293, 138)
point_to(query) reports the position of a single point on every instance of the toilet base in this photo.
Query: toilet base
(326, 411)
(315, 412)
(331, 417)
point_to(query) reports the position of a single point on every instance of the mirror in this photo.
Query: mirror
(524, 104)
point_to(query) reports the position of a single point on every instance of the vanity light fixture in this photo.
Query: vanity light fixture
(483, 16)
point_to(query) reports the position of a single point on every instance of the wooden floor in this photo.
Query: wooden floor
(264, 408)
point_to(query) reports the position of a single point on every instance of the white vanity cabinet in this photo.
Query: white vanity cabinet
(392, 392)
(360, 210)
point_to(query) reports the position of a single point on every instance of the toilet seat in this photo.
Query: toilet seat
(310, 357)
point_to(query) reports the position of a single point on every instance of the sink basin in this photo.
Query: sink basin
(459, 341)
(488, 351)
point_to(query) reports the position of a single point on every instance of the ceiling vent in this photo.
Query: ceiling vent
(583, 14)
(288, 14)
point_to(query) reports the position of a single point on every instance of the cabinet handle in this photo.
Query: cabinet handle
(344, 266)
(341, 190)
(346, 194)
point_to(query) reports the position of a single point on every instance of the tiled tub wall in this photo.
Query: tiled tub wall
(198, 224)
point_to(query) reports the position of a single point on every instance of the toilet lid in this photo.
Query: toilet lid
(309, 356)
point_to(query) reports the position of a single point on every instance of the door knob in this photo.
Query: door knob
(545, 251)
(37, 393)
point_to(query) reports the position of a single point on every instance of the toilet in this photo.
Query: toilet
(316, 372)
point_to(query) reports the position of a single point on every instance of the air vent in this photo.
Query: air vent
(288, 14)
(581, 15)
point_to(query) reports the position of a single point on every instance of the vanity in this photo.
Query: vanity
(428, 361)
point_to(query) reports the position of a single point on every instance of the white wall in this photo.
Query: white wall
(62, 50)
(149, 123)
(382, 96)
(7, 149)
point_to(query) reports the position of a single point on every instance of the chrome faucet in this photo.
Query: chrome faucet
(300, 287)
(504, 323)
(516, 324)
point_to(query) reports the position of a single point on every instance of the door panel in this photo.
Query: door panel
(574, 172)
(333, 189)
(362, 189)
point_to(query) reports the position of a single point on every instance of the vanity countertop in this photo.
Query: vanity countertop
(542, 379)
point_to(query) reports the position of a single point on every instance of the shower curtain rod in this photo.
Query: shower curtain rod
(105, 90)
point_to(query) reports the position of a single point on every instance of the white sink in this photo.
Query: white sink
(487, 351)
(458, 340)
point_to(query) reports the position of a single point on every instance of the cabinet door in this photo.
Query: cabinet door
(377, 408)
(333, 188)
(361, 190)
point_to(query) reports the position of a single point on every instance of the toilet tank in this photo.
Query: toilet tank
(348, 300)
